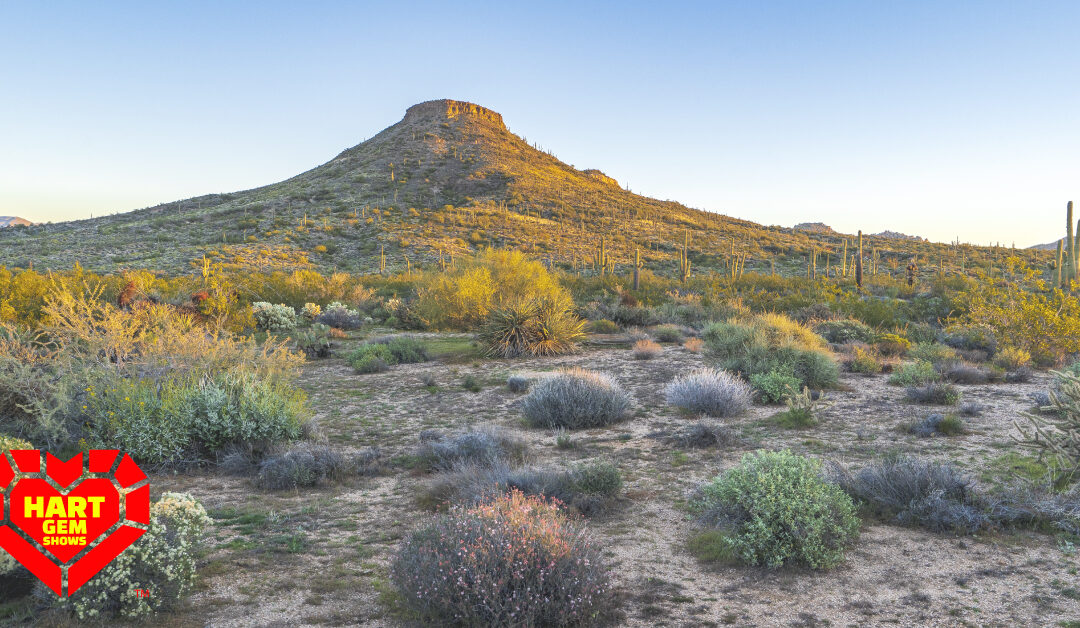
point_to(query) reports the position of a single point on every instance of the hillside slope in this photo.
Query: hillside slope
(446, 179)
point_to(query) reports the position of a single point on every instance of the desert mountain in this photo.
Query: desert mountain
(14, 221)
(447, 179)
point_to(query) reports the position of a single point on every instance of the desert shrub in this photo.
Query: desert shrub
(773, 386)
(1020, 375)
(961, 373)
(603, 326)
(162, 562)
(845, 331)
(709, 392)
(1041, 399)
(275, 319)
(694, 345)
(588, 488)
(515, 561)
(914, 374)
(574, 399)
(310, 311)
(7, 443)
(471, 383)
(518, 383)
(1039, 504)
(667, 333)
(702, 435)
(1044, 323)
(771, 342)
(974, 337)
(646, 350)
(814, 312)
(932, 353)
(936, 393)
(921, 333)
(802, 409)
(163, 422)
(462, 297)
(936, 423)
(484, 446)
(916, 492)
(378, 354)
(892, 345)
(774, 508)
(971, 408)
(863, 360)
(339, 316)
(301, 466)
(1012, 358)
(536, 329)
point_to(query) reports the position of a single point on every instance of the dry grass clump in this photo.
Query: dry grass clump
(484, 446)
(694, 345)
(647, 350)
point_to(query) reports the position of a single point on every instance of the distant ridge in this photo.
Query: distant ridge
(14, 221)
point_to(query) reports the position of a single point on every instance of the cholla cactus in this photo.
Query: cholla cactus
(310, 311)
(274, 319)
(1056, 434)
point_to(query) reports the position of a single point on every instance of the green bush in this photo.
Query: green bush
(771, 343)
(863, 361)
(603, 326)
(774, 386)
(914, 374)
(377, 355)
(667, 333)
(161, 562)
(774, 508)
(932, 353)
(841, 332)
(163, 422)
(892, 345)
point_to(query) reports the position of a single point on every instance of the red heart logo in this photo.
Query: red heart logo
(65, 521)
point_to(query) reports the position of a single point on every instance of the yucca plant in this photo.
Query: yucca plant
(535, 329)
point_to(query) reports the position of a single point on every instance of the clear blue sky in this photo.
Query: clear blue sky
(944, 119)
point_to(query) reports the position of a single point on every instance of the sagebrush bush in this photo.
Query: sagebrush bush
(937, 423)
(515, 561)
(768, 343)
(973, 337)
(575, 399)
(275, 319)
(961, 373)
(1021, 375)
(934, 394)
(845, 331)
(774, 386)
(916, 492)
(301, 466)
(701, 435)
(161, 562)
(518, 383)
(339, 316)
(484, 446)
(914, 374)
(589, 488)
(646, 350)
(774, 508)
(710, 392)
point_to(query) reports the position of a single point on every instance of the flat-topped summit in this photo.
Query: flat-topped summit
(449, 109)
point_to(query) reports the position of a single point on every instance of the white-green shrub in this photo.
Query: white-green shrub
(274, 319)
(161, 563)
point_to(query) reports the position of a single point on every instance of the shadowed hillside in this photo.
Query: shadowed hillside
(447, 179)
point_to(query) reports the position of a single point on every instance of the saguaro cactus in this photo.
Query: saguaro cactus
(858, 264)
(601, 257)
(637, 268)
(684, 259)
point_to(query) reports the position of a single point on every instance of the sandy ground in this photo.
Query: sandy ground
(319, 556)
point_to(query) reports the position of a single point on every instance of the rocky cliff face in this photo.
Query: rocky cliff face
(450, 109)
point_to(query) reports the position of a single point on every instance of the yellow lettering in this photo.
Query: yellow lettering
(32, 505)
(55, 508)
(76, 506)
(95, 503)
